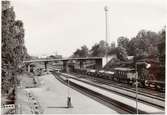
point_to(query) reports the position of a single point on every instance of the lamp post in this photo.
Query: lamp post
(69, 105)
(147, 66)
(136, 77)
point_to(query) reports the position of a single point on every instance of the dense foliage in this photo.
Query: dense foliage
(13, 48)
(55, 57)
(83, 52)
(144, 44)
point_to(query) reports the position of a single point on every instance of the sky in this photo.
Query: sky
(62, 26)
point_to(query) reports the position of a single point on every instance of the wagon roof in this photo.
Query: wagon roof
(123, 69)
(109, 72)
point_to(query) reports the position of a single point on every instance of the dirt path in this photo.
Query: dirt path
(26, 102)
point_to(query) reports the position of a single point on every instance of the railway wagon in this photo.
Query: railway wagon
(109, 75)
(80, 71)
(124, 75)
(91, 72)
(146, 77)
(100, 73)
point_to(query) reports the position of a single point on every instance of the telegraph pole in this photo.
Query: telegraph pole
(69, 104)
(136, 76)
(107, 32)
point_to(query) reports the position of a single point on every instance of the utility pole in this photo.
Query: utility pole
(69, 104)
(107, 32)
(136, 76)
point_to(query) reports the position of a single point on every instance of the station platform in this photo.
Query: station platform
(124, 91)
(141, 106)
(52, 96)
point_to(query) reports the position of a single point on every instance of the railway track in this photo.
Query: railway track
(124, 87)
(113, 104)
(133, 96)
(147, 99)
(147, 92)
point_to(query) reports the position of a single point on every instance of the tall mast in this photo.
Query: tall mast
(107, 32)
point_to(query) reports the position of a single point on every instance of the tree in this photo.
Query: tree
(100, 49)
(94, 50)
(123, 42)
(76, 53)
(120, 52)
(13, 49)
(83, 52)
(112, 45)
(152, 51)
(161, 46)
(55, 57)
(144, 44)
(132, 47)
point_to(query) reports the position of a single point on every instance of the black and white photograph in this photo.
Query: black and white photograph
(83, 57)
